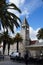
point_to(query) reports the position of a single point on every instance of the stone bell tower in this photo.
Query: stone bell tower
(25, 32)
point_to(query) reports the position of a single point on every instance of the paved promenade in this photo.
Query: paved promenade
(7, 61)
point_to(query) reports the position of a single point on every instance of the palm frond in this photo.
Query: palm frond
(14, 7)
(13, 16)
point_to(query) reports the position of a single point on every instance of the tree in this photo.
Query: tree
(8, 19)
(18, 39)
(40, 34)
(6, 39)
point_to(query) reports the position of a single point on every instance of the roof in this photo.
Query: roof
(33, 42)
(25, 23)
(37, 46)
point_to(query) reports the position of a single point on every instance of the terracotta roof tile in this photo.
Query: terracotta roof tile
(32, 42)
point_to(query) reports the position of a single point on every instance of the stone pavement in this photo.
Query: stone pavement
(6, 58)
(12, 63)
(7, 61)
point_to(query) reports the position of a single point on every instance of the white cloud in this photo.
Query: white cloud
(26, 6)
(33, 33)
(25, 13)
(31, 6)
(17, 2)
(34, 4)
(22, 1)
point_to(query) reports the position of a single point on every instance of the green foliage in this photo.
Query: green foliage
(18, 39)
(40, 34)
(6, 39)
(8, 19)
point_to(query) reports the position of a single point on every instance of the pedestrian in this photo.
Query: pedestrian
(26, 58)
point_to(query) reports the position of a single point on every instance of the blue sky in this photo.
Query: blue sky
(33, 11)
(36, 18)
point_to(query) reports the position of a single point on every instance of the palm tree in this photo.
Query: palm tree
(6, 39)
(8, 19)
(18, 39)
(40, 34)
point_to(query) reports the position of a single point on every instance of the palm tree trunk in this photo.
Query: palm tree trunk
(17, 47)
(4, 46)
(8, 48)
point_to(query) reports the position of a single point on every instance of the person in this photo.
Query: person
(26, 58)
